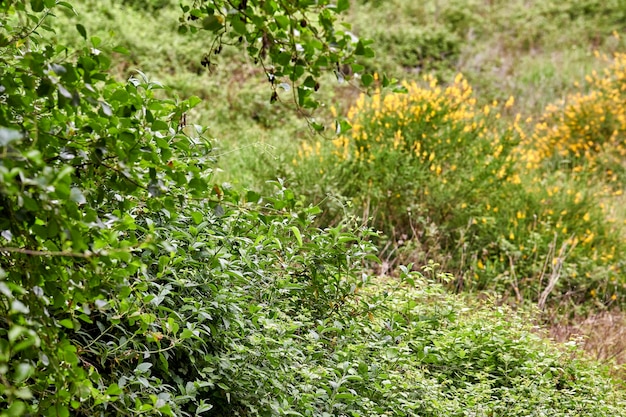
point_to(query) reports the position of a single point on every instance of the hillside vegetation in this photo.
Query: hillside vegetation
(183, 233)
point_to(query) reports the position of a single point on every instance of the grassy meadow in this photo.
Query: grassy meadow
(488, 179)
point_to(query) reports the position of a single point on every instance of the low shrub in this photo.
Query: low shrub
(408, 348)
(401, 159)
(420, 48)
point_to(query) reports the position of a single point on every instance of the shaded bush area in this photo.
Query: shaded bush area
(128, 282)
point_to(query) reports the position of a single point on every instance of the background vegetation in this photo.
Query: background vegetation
(182, 235)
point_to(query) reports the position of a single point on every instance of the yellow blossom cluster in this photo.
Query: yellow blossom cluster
(585, 130)
(419, 121)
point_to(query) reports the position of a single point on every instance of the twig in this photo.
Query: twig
(556, 273)
(515, 283)
(87, 254)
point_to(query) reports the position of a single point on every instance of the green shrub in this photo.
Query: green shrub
(421, 49)
(409, 349)
(129, 284)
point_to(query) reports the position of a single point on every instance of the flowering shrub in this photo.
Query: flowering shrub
(585, 132)
(401, 160)
(544, 237)
(431, 167)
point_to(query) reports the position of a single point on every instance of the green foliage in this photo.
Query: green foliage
(409, 349)
(149, 5)
(125, 275)
(418, 49)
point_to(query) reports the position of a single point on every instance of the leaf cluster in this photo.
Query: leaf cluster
(294, 42)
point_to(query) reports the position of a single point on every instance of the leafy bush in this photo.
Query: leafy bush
(409, 349)
(127, 282)
(421, 49)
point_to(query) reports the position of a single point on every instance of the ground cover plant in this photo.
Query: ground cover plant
(131, 282)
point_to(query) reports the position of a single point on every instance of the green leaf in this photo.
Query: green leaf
(22, 372)
(282, 21)
(67, 6)
(360, 48)
(24, 393)
(317, 126)
(37, 5)
(367, 80)
(212, 23)
(296, 233)
(119, 49)
(16, 409)
(203, 408)
(193, 101)
(342, 5)
(357, 68)
(253, 197)
(143, 367)
(81, 29)
(342, 126)
(67, 323)
(197, 217)
(62, 410)
(186, 334)
(239, 26)
(167, 410)
(119, 95)
(18, 307)
(113, 389)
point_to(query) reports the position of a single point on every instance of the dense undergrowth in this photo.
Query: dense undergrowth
(133, 282)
